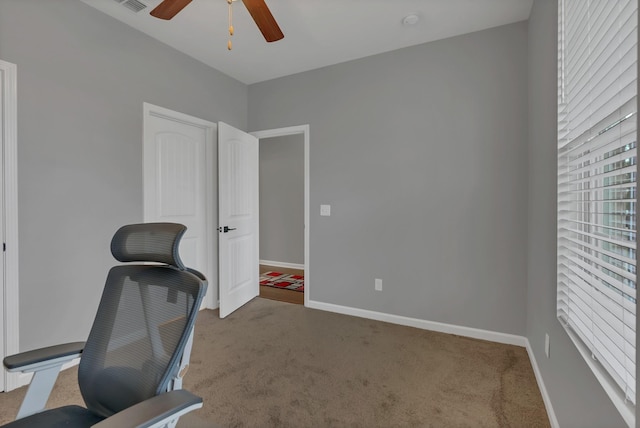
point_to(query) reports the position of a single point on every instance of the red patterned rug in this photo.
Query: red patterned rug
(282, 280)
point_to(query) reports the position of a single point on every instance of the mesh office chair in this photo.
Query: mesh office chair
(132, 363)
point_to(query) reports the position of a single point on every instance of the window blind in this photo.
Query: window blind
(597, 171)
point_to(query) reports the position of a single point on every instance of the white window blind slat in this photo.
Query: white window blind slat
(620, 257)
(610, 241)
(599, 262)
(624, 234)
(606, 36)
(602, 333)
(604, 345)
(601, 144)
(614, 327)
(581, 119)
(597, 188)
(623, 113)
(599, 61)
(616, 292)
(624, 377)
(612, 251)
(600, 56)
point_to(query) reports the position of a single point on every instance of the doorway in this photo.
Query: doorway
(186, 144)
(284, 212)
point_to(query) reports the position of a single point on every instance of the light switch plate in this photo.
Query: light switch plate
(325, 210)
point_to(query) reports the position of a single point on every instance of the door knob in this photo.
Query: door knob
(226, 229)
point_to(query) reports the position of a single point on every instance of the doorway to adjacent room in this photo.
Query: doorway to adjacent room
(284, 214)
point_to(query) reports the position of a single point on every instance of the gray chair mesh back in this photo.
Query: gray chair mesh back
(143, 321)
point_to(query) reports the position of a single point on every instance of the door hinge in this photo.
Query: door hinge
(4, 246)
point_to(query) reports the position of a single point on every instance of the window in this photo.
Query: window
(597, 171)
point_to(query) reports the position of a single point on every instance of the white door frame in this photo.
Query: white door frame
(210, 301)
(295, 130)
(9, 139)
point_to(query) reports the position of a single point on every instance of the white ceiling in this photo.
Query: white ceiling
(317, 32)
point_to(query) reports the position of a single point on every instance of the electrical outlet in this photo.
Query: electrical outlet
(546, 344)
(378, 285)
(325, 210)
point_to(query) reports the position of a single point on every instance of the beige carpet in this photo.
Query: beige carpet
(274, 364)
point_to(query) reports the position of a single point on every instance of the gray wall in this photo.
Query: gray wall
(578, 399)
(422, 154)
(282, 199)
(82, 80)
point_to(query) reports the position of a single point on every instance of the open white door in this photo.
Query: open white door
(237, 218)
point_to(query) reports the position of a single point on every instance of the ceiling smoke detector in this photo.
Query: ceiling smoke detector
(410, 20)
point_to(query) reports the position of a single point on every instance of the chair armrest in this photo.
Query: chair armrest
(45, 363)
(40, 358)
(153, 412)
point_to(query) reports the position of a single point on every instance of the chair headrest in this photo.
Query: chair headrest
(149, 242)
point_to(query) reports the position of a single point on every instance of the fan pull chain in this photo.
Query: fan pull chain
(230, 3)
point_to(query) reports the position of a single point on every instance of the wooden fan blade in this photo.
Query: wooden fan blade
(264, 19)
(169, 8)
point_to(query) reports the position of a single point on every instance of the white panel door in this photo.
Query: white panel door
(175, 171)
(237, 218)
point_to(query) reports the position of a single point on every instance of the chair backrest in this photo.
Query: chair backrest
(144, 319)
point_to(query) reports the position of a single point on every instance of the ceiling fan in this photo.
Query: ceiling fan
(257, 8)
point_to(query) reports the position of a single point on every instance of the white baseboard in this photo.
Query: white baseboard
(282, 264)
(553, 420)
(25, 378)
(475, 333)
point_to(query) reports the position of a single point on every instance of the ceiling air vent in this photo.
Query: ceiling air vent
(134, 5)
